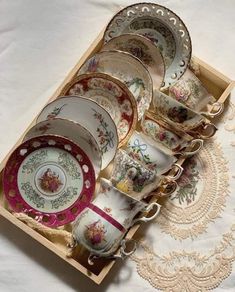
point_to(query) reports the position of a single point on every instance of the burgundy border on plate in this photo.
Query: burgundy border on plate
(16, 201)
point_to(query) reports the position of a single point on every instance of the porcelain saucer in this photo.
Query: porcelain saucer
(112, 95)
(49, 178)
(91, 116)
(143, 49)
(74, 132)
(163, 27)
(128, 69)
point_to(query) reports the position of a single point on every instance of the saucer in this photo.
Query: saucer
(127, 69)
(74, 132)
(163, 27)
(112, 95)
(143, 49)
(49, 178)
(91, 116)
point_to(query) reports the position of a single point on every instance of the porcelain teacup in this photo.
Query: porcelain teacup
(182, 117)
(144, 149)
(132, 177)
(121, 206)
(100, 228)
(99, 233)
(170, 141)
(190, 91)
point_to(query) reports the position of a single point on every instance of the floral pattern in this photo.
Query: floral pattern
(138, 49)
(128, 175)
(50, 181)
(136, 151)
(65, 161)
(161, 135)
(77, 89)
(67, 196)
(136, 86)
(32, 195)
(95, 232)
(187, 183)
(34, 161)
(93, 64)
(114, 98)
(176, 112)
(155, 31)
(55, 112)
(105, 137)
(43, 129)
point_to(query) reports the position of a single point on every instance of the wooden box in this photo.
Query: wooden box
(219, 85)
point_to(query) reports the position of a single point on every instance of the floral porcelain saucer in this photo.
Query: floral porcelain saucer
(143, 49)
(91, 116)
(128, 69)
(111, 94)
(163, 27)
(49, 178)
(74, 132)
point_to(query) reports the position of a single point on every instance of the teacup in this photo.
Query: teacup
(179, 115)
(190, 91)
(132, 177)
(98, 232)
(122, 207)
(100, 228)
(170, 142)
(144, 149)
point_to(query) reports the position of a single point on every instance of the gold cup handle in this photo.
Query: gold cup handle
(216, 109)
(179, 171)
(168, 187)
(210, 128)
(195, 143)
(147, 209)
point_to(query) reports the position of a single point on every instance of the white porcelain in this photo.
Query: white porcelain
(128, 69)
(112, 95)
(143, 49)
(72, 131)
(91, 116)
(49, 178)
(143, 148)
(96, 233)
(181, 116)
(101, 227)
(190, 91)
(132, 177)
(167, 138)
(122, 207)
(163, 27)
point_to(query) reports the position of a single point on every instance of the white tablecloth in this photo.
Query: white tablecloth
(40, 41)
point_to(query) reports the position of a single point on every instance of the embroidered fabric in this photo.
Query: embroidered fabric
(191, 246)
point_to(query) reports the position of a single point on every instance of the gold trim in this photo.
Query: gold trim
(92, 101)
(169, 11)
(104, 76)
(149, 81)
(145, 40)
(32, 129)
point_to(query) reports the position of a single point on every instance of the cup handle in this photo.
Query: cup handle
(148, 208)
(123, 252)
(196, 142)
(178, 173)
(212, 129)
(214, 113)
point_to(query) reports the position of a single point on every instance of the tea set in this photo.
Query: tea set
(102, 153)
